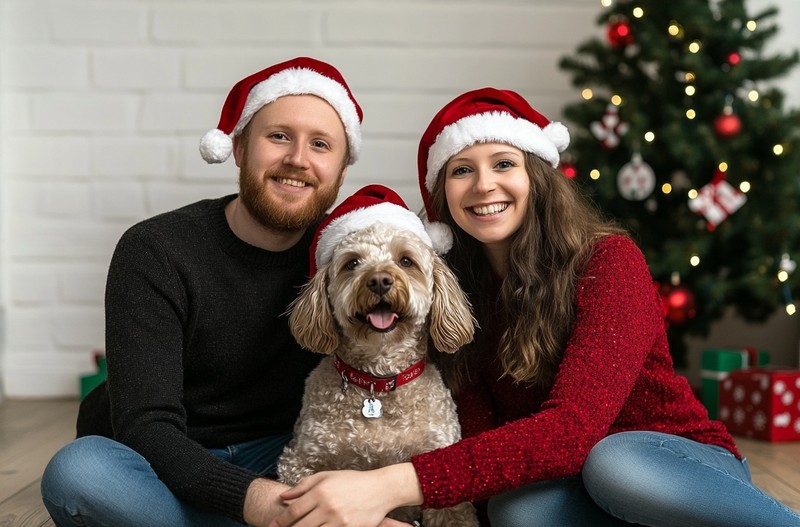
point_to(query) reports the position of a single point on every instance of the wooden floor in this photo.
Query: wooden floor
(31, 431)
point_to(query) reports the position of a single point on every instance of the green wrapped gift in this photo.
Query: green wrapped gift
(717, 363)
(90, 381)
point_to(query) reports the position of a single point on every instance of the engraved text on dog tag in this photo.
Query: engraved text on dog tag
(371, 409)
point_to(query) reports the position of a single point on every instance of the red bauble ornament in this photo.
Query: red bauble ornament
(568, 169)
(727, 125)
(677, 302)
(734, 59)
(619, 34)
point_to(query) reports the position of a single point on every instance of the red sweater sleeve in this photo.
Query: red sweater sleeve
(617, 320)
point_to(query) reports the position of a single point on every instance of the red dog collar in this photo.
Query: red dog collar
(378, 384)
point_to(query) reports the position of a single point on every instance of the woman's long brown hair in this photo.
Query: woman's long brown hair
(537, 298)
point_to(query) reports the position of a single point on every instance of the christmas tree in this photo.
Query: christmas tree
(680, 137)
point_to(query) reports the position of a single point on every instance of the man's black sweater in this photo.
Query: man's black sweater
(199, 350)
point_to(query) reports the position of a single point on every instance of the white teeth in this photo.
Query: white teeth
(494, 208)
(291, 182)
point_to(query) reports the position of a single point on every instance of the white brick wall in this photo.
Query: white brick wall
(102, 105)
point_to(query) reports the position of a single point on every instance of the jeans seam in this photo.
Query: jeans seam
(748, 485)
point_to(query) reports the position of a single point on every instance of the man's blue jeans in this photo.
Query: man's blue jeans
(646, 478)
(94, 481)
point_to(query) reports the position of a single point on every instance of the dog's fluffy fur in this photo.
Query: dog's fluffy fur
(396, 272)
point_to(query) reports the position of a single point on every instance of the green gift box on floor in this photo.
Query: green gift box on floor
(90, 381)
(717, 363)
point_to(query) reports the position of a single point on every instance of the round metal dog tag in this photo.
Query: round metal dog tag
(371, 408)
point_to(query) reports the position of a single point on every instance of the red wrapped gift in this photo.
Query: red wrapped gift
(763, 403)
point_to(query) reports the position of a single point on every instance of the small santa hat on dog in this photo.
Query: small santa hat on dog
(368, 206)
(487, 115)
(298, 76)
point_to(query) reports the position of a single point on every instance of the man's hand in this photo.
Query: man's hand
(263, 502)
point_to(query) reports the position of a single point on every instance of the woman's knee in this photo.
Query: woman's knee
(617, 455)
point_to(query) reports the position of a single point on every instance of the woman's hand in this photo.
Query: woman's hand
(350, 498)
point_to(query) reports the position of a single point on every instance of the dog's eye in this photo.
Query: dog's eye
(352, 264)
(405, 261)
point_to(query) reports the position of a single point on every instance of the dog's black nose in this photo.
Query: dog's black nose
(380, 283)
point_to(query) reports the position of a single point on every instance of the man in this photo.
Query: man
(204, 377)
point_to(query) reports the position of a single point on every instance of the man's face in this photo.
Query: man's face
(292, 161)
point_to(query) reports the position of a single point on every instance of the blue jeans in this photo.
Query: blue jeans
(95, 481)
(646, 478)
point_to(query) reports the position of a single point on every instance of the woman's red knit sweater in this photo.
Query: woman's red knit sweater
(616, 375)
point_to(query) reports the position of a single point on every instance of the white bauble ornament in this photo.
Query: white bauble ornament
(636, 179)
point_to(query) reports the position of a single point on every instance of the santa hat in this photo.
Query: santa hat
(370, 205)
(487, 115)
(299, 76)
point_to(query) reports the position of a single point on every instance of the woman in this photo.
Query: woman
(571, 411)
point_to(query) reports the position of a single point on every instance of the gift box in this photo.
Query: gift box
(763, 403)
(717, 363)
(90, 381)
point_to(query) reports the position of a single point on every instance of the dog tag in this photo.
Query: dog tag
(371, 409)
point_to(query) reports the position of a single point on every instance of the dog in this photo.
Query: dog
(374, 400)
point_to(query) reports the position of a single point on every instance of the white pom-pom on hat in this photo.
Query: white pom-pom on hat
(216, 146)
(441, 236)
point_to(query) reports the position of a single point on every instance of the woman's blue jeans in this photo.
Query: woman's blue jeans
(646, 478)
(95, 481)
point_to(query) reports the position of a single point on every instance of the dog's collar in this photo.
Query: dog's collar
(377, 384)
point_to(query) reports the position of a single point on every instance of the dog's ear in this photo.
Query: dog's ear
(311, 319)
(452, 323)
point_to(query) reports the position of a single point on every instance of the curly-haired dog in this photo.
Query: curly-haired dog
(378, 295)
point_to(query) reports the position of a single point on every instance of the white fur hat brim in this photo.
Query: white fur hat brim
(386, 213)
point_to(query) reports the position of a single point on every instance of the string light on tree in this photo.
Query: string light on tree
(675, 30)
(786, 267)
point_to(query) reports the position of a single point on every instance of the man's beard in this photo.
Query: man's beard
(271, 213)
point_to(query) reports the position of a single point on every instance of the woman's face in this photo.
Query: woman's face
(487, 190)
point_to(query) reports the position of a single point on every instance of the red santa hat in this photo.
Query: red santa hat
(368, 206)
(298, 76)
(487, 115)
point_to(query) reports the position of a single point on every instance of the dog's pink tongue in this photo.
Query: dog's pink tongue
(381, 318)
